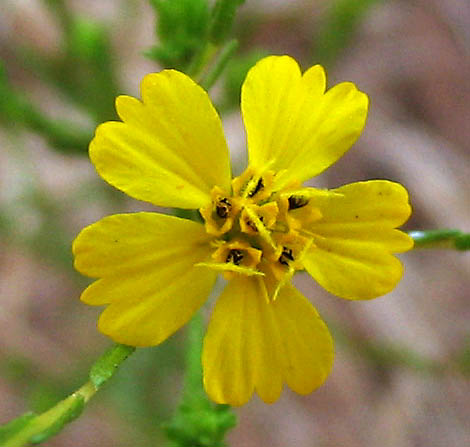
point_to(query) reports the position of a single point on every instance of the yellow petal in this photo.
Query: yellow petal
(374, 201)
(354, 240)
(292, 124)
(146, 262)
(253, 344)
(170, 150)
(127, 243)
(307, 343)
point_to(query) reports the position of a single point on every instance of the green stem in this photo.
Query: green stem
(197, 421)
(16, 109)
(201, 61)
(61, 134)
(50, 422)
(223, 16)
(60, 9)
(31, 428)
(193, 376)
(441, 239)
(218, 67)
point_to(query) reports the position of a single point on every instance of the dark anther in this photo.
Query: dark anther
(297, 202)
(259, 186)
(235, 256)
(286, 256)
(252, 225)
(223, 207)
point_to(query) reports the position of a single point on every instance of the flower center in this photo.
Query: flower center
(260, 230)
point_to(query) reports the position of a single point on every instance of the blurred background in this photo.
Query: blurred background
(401, 373)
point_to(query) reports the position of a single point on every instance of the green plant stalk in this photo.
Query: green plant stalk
(218, 67)
(441, 239)
(62, 12)
(17, 110)
(193, 377)
(31, 428)
(181, 29)
(85, 70)
(39, 428)
(197, 421)
(60, 134)
(201, 61)
(223, 16)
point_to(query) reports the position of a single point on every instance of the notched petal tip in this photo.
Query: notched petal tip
(150, 155)
(256, 345)
(292, 124)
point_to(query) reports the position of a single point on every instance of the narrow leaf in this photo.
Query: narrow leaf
(15, 426)
(76, 405)
(107, 364)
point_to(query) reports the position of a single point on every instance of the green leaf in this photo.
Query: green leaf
(223, 16)
(462, 242)
(17, 110)
(219, 65)
(32, 428)
(182, 30)
(77, 403)
(198, 421)
(107, 364)
(15, 426)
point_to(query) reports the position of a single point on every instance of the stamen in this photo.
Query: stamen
(252, 225)
(229, 269)
(286, 256)
(223, 207)
(297, 202)
(235, 256)
(220, 213)
(254, 185)
(259, 186)
(250, 217)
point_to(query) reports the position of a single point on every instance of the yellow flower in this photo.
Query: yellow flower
(155, 271)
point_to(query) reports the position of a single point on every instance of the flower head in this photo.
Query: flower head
(260, 228)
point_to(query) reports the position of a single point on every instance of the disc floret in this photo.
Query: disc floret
(260, 230)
